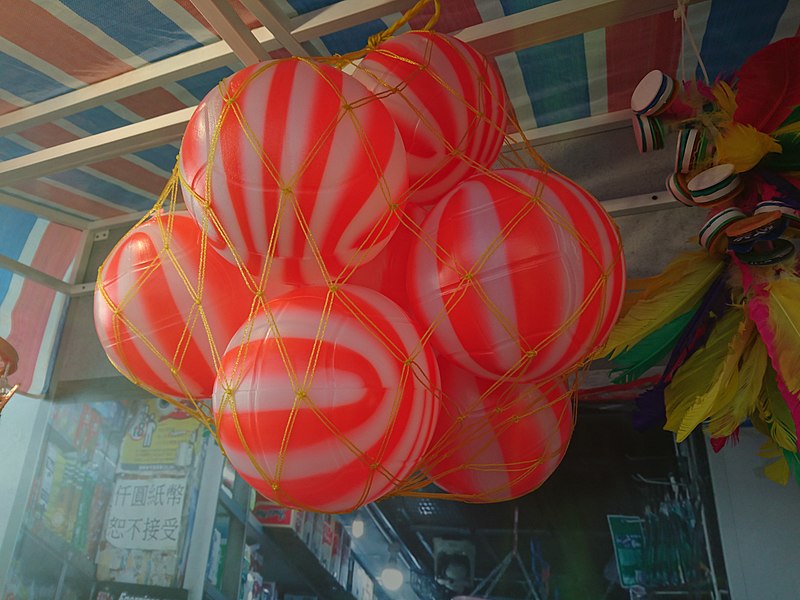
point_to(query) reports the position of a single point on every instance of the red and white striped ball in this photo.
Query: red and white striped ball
(498, 441)
(333, 425)
(294, 159)
(154, 292)
(521, 274)
(387, 272)
(450, 106)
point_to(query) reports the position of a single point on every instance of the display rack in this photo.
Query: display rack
(280, 559)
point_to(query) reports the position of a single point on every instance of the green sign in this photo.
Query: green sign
(627, 536)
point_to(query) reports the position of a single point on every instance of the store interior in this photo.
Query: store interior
(109, 492)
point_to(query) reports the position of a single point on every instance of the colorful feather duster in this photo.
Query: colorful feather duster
(709, 379)
(668, 296)
(768, 85)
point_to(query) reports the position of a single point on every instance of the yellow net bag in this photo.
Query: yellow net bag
(364, 280)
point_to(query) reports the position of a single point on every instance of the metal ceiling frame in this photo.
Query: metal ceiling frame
(499, 36)
(495, 37)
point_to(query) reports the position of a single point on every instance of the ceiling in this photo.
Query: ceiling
(93, 103)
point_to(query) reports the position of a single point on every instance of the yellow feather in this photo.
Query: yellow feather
(773, 413)
(787, 129)
(784, 322)
(727, 417)
(676, 290)
(778, 470)
(726, 98)
(744, 146)
(709, 379)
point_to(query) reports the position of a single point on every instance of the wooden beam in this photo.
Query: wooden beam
(310, 26)
(51, 214)
(557, 20)
(123, 140)
(270, 16)
(228, 25)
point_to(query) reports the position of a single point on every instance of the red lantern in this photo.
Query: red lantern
(498, 441)
(521, 274)
(295, 160)
(320, 407)
(448, 101)
(158, 300)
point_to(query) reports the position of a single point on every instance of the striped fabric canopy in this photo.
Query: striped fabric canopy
(59, 49)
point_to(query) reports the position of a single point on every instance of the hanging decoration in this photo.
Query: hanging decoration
(352, 212)
(726, 319)
(8, 366)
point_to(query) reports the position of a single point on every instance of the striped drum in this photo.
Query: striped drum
(521, 274)
(149, 321)
(330, 416)
(497, 441)
(450, 107)
(306, 165)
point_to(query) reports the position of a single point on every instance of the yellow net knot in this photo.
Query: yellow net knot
(393, 206)
(301, 395)
(274, 487)
(374, 466)
(515, 418)
(408, 362)
(531, 354)
(460, 418)
(347, 107)
(173, 369)
(377, 39)
(456, 152)
(498, 410)
(286, 190)
(467, 277)
(333, 287)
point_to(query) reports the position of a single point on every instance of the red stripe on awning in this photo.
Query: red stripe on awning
(34, 29)
(7, 107)
(56, 251)
(637, 47)
(457, 18)
(61, 197)
(132, 174)
(48, 135)
(152, 103)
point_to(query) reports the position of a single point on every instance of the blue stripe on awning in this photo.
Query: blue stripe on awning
(15, 227)
(26, 82)
(556, 79)
(735, 30)
(136, 24)
(199, 85)
(304, 6)
(163, 157)
(108, 191)
(9, 149)
(352, 39)
(97, 120)
(514, 6)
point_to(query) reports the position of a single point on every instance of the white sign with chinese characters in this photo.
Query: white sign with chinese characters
(145, 514)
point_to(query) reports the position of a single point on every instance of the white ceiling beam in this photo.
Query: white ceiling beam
(123, 140)
(193, 62)
(573, 129)
(228, 25)
(270, 16)
(54, 283)
(617, 207)
(560, 19)
(557, 20)
(51, 214)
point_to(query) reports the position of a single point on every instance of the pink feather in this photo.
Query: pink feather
(758, 311)
(769, 85)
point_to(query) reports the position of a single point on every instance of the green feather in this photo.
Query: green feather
(793, 460)
(632, 363)
(775, 414)
(709, 377)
